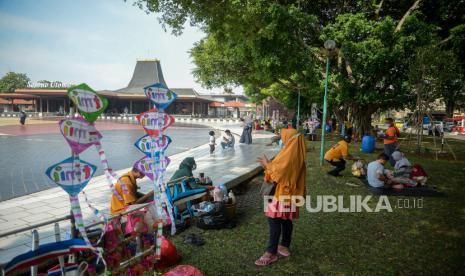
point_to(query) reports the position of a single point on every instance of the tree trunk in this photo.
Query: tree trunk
(360, 116)
(450, 105)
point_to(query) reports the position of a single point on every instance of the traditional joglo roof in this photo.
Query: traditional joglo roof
(146, 72)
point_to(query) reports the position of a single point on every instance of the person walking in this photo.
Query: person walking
(22, 117)
(287, 172)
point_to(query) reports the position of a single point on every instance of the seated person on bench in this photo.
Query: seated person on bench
(228, 140)
(378, 177)
(185, 170)
(123, 200)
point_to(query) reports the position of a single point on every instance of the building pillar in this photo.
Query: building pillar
(130, 106)
(41, 108)
(64, 107)
(48, 104)
(193, 108)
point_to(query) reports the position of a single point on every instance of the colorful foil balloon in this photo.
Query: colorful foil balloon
(79, 134)
(154, 122)
(89, 103)
(160, 95)
(152, 167)
(144, 144)
(71, 177)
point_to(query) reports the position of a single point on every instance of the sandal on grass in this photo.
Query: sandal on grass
(266, 260)
(194, 240)
(283, 251)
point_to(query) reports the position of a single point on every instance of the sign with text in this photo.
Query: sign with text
(160, 95)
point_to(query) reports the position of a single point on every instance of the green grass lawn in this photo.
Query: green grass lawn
(415, 241)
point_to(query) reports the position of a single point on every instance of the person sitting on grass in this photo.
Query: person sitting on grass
(228, 140)
(402, 167)
(120, 202)
(337, 154)
(402, 170)
(419, 175)
(378, 177)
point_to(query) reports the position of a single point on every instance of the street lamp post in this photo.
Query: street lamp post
(329, 46)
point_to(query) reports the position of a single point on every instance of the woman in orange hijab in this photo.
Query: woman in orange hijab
(287, 172)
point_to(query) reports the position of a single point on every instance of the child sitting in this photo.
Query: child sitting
(419, 175)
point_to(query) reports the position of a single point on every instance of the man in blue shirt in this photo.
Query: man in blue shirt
(375, 172)
(378, 177)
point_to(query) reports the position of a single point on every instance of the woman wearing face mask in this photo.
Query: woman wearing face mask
(185, 170)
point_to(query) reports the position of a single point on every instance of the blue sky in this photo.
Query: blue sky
(97, 42)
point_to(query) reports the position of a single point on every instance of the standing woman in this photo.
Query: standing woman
(287, 172)
(246, 137)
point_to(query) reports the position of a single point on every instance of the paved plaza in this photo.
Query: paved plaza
(229, 167)
(27, 151)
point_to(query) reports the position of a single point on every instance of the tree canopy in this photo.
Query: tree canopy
(275, 48)
(12, 81)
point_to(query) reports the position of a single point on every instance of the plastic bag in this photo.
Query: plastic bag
(184, 270)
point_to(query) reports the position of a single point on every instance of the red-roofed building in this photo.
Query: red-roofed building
(131, 99)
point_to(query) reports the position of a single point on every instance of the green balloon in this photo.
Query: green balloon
(88, 102)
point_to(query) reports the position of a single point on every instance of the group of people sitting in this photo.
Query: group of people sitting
(404, 174)
(228, 140)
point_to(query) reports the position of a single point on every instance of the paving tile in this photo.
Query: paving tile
(41, 209)
(7, 255)
(11, 211)
(37, 218)
(14, 216)
(14, 241)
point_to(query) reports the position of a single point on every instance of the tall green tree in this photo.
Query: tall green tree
(274, 48)
(437, 76)
(370, 72)
(12, 81)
